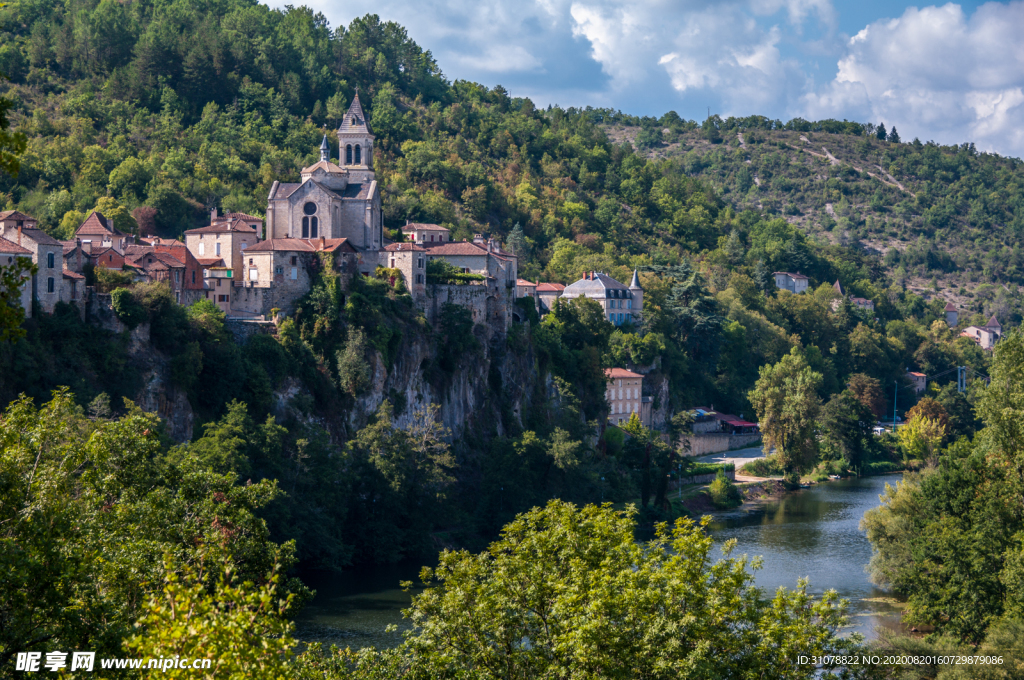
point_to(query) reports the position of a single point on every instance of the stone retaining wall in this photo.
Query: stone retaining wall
(707, 479)
(703, 444)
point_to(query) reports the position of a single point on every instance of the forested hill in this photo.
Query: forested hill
(172, 108)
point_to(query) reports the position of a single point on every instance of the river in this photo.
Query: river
(812, 533)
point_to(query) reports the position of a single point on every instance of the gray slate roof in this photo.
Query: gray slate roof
(595, 287)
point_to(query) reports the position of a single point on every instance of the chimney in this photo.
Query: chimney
(323, 243)
(19, 234)
(213, 215)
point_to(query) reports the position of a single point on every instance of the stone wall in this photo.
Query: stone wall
(703, 444)
(706, 479)
(484, 302)
(243, 329)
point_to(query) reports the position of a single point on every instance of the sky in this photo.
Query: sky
(950, 73)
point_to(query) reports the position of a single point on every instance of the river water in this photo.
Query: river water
(812, 533)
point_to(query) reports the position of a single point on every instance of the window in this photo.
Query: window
(305, 227)
(392, 263)
(202, 249)
(216, 248)
(279, 270)
(243, 245)
(611, 317)
(193, 276)
(359, 155)
(223, 298)
(49, 260)
(250, 260)
(313, 222)
(218, 283)
(419, 263)
(629, 304)
(431, 237)
(309, 208)
(419, 278)
(49, 285)
(177, 276)
(295, 260)
(295, 273)
(254, 274)
(348, 155)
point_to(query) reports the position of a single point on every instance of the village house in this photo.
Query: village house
(171, 263)
(220, 248)
(410, 260)
(620, 304)
(547, 293)
(277, 272)
(624, 393)
(794, 283)
(73, 289)
(985, 336)
(952, 316)
(858, 302)
(709, 421)
(9, 254)
(75, 257)
(334, 201)
(108, 258)
(918, 380)
(47, 255)
(425, 233)
(526, 288)
(98, 232)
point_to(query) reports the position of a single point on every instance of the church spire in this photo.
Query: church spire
(635, 283)
(325, 150)
(354, 120)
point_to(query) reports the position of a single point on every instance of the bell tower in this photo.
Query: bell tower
(355, 141)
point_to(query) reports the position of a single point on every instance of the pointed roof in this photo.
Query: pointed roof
(635, 283)
(355, 121)
(16, 215)
(12, 248)
(324, 150)
(97, 225)
(838, 288)
(950, 307)
(993, 323)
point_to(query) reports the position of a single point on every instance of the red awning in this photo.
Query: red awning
(741, 423)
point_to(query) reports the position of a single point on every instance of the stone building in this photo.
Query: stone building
(858, 302)
(75, 257)
(624, 393)
(410, 260)
(794, 283)
(98, 232)
(952, 316)
(334, 201)
(423, 234)
(277, 272)
(173, 264)
(547, 293)
(220, 248)
(9, 254)
(47, 255)
(621, 304)
(985, 336)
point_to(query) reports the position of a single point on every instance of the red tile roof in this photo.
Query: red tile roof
(16, 215)
(224, 227)
(418, 226)
(550, 288)
(97, 224)
(210, 261)
(406, 247)
(304, 245)
(950, 307)
(454, 248)
(12, 248)
(68, 274)
(524, 282)
(620, 373)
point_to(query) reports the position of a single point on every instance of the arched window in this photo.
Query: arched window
(348, 155)
(49, 260)
(313, 227)
(359, 154)
(49, 285)
(305, 227)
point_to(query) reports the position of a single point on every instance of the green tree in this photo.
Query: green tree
(13, 278)
(787, 404)
(593, 602)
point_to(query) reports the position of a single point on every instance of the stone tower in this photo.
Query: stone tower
(638, 297)
(355, 141)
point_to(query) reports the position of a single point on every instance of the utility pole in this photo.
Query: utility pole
(961, 379)
(895, 389)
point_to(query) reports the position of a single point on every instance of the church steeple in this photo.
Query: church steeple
(355, 140)
(325, 150)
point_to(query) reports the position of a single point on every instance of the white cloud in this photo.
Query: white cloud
(937, 74)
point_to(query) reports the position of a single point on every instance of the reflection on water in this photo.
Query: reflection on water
(353, 608)
(812, 533)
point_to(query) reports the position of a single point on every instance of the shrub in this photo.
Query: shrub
(763, 467)
(440, 271)
(126, 307)
(723, 492)
(353, 370)
(109, 279)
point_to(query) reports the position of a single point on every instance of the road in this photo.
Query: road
(739, 457)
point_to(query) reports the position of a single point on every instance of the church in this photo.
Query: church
(333, 201)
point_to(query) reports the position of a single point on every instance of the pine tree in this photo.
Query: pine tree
(880, 132)
(894, 136)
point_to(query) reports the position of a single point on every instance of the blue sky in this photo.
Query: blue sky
(952, 72)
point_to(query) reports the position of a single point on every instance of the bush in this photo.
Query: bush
(763, 467)
(109, 279)
(440, 271)
(613, 439)
(880, 467)
(723, 492)
(353, 369)
(126, 307)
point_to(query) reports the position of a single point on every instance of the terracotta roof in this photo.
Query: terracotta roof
(241, 216)
(327, 166)
(993, 322)
(68, 274)
(620, 373)
(916, 374)
(16, 215)
(329, 245)
(156, 241)
(550, 288)
(12, 248)
(134, 250)
(418, 226)
(355, 120)
(97, 224)
(792, 276)
(950, 307)
(408, 247)
(69, 246)
(166, 258)
(454, 248)
(524, 282)
(223, 227)
(210, 261)
(272, 244)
